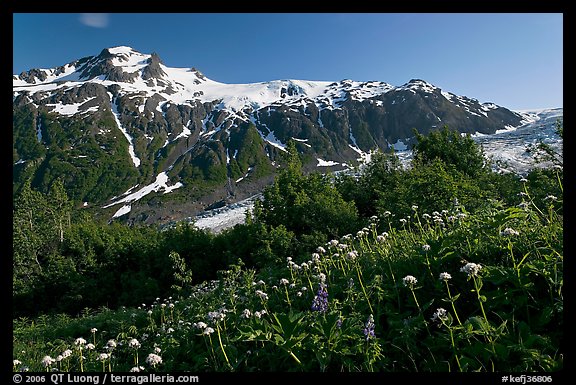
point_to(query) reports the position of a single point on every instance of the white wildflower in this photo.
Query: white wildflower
(352, 255)
(133, 343)
(508, 231)
(409, 280)
(153, 359)
(47, 361)
(472, 269)
(445, 277)
(262, 295)
(440, 314)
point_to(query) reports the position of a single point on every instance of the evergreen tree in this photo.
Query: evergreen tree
(452, 148)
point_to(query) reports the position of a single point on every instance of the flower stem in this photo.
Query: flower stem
(363, 289)
(222, 347)
(452, 302)
(454, 347)
(287, 296)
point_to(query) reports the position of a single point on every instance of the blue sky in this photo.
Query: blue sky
(512, 59)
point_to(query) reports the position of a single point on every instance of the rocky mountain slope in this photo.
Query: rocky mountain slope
(136, 140)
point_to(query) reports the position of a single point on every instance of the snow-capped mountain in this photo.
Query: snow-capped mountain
(120, 126)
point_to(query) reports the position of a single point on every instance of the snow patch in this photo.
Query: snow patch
(326, 163)
(161, 183)
(72, 109)
(122, 210)
(135, 159)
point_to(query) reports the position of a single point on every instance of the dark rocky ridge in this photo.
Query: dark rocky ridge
(216, 153)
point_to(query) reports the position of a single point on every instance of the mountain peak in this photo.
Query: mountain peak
(121, 49)
(134, 115)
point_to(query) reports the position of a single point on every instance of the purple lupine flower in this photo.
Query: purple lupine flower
(320, 302)
(369, 328)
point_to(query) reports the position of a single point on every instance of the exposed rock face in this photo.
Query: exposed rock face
(119, 119)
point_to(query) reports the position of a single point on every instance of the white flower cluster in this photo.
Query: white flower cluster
(153, 359)
(440, 314)
(134, 343)
(111, 344)
(259, 314)
(409, 280)
(263, 296)
(47, 361)
(472, 269)
(508, 231)
(445, 277)
(352, 255)
(216, 315)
